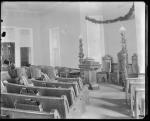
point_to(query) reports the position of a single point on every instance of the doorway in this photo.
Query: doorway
(25, 56)
(8, 51)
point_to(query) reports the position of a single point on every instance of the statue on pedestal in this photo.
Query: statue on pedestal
(81, 54)
(123, 60)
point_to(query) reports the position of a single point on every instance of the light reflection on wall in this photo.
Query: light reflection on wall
(90, 6)
(140, 34)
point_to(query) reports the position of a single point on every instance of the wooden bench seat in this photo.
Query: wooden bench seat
(43, 91)
(10, 113)
(57, 84)
(48, 103)
(139, 100)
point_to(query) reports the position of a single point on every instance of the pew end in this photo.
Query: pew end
(139, 102)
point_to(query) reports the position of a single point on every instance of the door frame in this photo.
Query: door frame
(17, 44)
(31, 54)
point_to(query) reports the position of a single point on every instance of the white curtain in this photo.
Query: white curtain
(95, 39)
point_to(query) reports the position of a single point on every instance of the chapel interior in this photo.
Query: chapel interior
(74, 60)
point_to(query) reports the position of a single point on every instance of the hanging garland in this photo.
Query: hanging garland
(128, 16)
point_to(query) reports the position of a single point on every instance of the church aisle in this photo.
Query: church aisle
(107, 103)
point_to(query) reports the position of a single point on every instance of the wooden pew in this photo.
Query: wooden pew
(142, 113)
(57, 84)
(133, 86)
(80, 83)
(42, 91)
(84, 88)
(49, 70)
(139, 99)
(127, 86)
(77, 109)
(48, 103)
(11, 113)
(79, 106)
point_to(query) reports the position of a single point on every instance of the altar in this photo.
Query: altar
(88, 69)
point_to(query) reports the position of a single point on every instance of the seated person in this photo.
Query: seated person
(24, 81)
(21, 73)
(56, 73)
(45, 77)
(3, 88)
(37, 74)
(5, 75)
(13, 74)
(5, 65)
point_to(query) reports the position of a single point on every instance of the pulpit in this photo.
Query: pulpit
(88, 68)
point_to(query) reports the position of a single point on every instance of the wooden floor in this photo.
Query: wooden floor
(107, 103)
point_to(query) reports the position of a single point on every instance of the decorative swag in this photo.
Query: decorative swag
(128, 16)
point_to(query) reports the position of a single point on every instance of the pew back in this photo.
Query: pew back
(23, 114)
(48, 103)
(80, 83)
(43, 91)
(57, 84)
(128, 80)
(133, 84)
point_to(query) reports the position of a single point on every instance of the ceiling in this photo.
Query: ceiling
(115, 9)
(108, 7)
(34, 6)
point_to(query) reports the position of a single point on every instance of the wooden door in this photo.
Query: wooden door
(24, 54)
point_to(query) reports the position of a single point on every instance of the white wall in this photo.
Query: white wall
(113, 39)
(95, 40)
(25, 20)
(112, 36)
(69, 25)
(140, 32)
(71, 21)
(67, 21)
(88, 9)
(111, 31)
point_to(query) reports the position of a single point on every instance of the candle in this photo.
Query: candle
(122, 30)
(80, 37)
